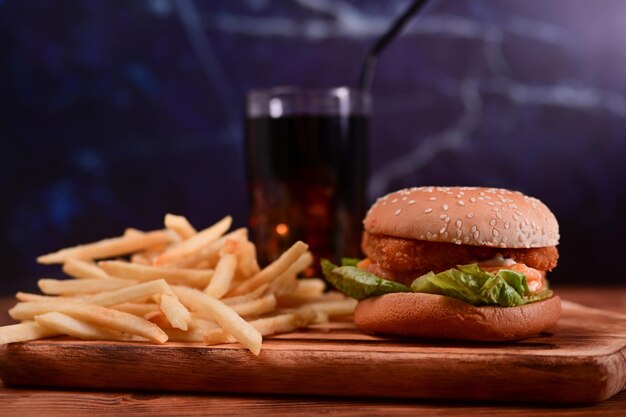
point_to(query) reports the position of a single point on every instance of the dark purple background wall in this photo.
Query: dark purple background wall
(114, 112)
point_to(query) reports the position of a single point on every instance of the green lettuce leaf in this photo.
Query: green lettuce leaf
(469, 283)
(357, 283)
(350, 261)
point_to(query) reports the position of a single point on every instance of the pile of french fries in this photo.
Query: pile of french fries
(175, 284)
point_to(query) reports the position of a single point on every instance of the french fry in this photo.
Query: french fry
(247, 264)
(267, 274)
(83, 269)
(287, 282)
(158, 318)
(256, 307)
(202, 324)
(253, 295)
(190, 336)
(287, 301)
(140, 258)
(110, 298)
(26, 296)
(176, 313)
(309, 288)
(134, 292)
(304, 290)
(225, 316)
(81, 286)
(158, 248)
(132, 232)
(223, 276)
(203, 265)
(267, 326)
(191, 277)
(195, 242)
(108, 248)
(136, 309)
(23, 332)
(180, 225)
(92, 313)
(334, 308)
(64, 324)
(211, 252)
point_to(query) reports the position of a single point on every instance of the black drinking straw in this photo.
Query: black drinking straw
(367, 71)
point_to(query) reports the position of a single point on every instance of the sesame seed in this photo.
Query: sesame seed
(473, 229)
(445, 207)
(447, 219)
(476, 234)
(443, 229)
(459, 223)
(492, 222)
(482, 193)
(470, 215)
(473, 200)
(494, 232)
(432, 198)
(403, 198)
(459, 232)
(428, 235)
(465, 239)
(411, 202)
(507, 225)
(398, 212)
(443, 217)
(461, 203)
(489, 203)
(428, 210)
(494, 209)
(499, 216)
(394, 200)
(434, 236)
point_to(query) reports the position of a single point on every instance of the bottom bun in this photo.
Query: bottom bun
(436, 316)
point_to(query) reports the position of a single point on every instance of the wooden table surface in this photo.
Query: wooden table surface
(26, 402)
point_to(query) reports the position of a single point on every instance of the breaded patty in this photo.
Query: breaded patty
(405, 259)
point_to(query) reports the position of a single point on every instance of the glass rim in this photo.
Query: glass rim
(289, 100)
(295, 89)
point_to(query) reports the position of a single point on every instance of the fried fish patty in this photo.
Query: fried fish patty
(405, 259)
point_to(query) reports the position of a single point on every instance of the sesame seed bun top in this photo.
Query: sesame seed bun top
(464, 215)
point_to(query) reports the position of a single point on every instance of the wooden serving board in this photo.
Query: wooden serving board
(581, 360)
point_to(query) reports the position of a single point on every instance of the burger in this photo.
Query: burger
(465, 263)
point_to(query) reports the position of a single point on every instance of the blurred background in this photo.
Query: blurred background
(113, 113)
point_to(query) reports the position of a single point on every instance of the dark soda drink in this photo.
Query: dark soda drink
(307, 173)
